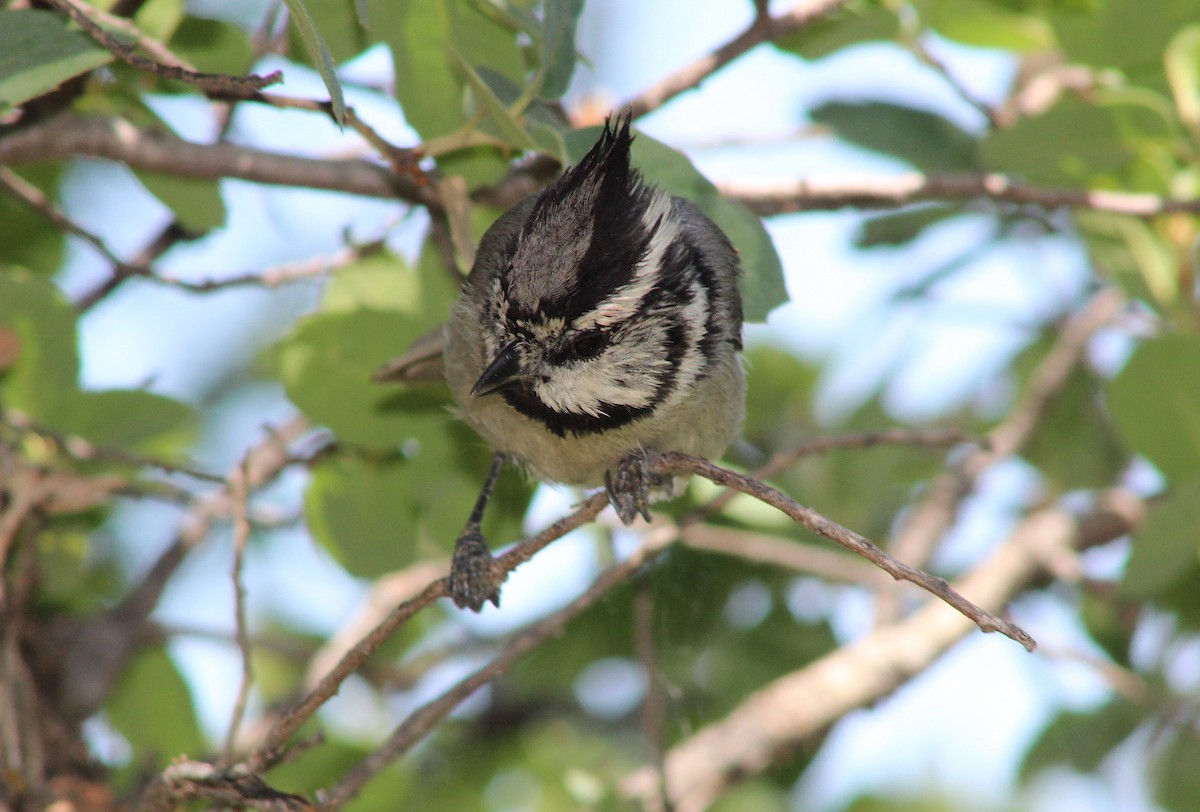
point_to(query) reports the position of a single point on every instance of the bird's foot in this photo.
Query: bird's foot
(629, 485)
(474, 577)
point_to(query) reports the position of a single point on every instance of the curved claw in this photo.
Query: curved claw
(628, 486)
(473, 575)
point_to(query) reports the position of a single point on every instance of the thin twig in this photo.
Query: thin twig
(825, 194)
(926, 522)
(32, 196)
(69, 135)
(421, 721)
(403, 160)
(674, 462)
(785, 553)
(84, 450)
(275, 741)
(922, 52)
(654, 711)
(217, 84)
(921, 438)
(239, 493)
(764, 28)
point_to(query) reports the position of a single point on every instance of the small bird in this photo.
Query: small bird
(600, 323)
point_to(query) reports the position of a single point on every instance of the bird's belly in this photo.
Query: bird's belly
(703, 425)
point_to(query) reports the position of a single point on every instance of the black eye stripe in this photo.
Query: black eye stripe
(589, 344)
(582, 346)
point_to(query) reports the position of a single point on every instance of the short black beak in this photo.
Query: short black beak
(504, 370)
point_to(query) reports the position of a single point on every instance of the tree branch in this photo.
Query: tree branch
(933, 515)
(672, 462)
(764, 28)
(783, 197)
(74, 136)
(421, 721)
(217, 84)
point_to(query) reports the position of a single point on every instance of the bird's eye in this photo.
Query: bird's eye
(588, 345)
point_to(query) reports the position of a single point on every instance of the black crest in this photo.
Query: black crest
(593, 216)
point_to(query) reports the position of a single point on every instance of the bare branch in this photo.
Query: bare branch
(782, 197)
(674, 462)
(82, 449)
(654, 705)
(926, 438)
(783, 713)
(72, 136)
(239, 494)
(217, 84)
(784, 553)
(936, 512)
(422, 721)
(25, 192)
(275, 742)
(764, 28)
(922, 52)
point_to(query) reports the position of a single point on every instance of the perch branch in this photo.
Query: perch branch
(675, 462)
(421, 721)
(275, 742)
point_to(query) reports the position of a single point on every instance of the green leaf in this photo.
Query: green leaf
(1128, 35)
(196, 203)
(1182, 63)
(152, 709)
(1074, 446)
(47, 364)
(127, 419)
(850, 25)
(384, 282)
(486, 39)
(1132, 253)
(897, 228)
(24, 233)
(478, 166)
(318, 52)
(1155, 406)
(361, 513)
(326, 366)
(376, 515)
(762, 281)
(499, 114)
(213, 45)
(1165, 547)
(924, 139)
(341, 28)
(558, 46)
(38, 52)
(158, 19)
(987, 24)
(1082, 740)
(1070, 145)
(428, 89)
(1178, 781)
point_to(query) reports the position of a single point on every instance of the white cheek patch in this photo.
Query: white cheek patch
(626, 374)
